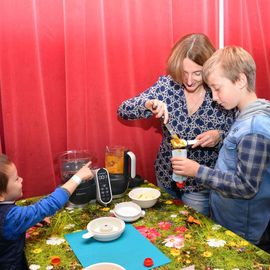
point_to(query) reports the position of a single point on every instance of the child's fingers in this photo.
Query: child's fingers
(87, 164)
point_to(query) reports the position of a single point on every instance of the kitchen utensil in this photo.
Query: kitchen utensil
(170, 129)
(182, 142)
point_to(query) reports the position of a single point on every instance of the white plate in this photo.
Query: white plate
(105, 266)
(105, 228)
(128, 211)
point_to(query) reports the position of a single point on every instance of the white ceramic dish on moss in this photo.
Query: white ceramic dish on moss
(105, 229)
(128, 211)
(145, 197)
(105, 266)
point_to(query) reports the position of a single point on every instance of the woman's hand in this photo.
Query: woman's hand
(159, 108)
(208, 138)
(184, 166)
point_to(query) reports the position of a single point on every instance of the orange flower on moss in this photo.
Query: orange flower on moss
(191, 219)
(55, 260)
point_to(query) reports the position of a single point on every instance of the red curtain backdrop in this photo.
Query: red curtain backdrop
(65, 66)
(247, 25)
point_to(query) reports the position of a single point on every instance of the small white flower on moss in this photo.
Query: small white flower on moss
(69, 226)
(34, 267)
(216, 227)
(216, 242)
(55, 241)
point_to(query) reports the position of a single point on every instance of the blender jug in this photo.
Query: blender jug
(70, 162)
(121, 165)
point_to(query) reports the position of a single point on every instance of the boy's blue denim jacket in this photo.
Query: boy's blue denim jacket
(246, 217)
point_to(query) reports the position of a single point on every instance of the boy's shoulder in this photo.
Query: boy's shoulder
(260, 124)
(254, 124)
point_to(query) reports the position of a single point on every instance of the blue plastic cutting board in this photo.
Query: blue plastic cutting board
(129, 250)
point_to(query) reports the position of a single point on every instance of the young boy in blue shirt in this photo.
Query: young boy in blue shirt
(15, 220)
(240, 182)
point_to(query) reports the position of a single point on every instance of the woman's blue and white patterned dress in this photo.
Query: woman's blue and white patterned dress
(209, 116)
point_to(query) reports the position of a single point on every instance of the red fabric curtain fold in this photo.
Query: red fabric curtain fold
(65, 66)
(247, 25)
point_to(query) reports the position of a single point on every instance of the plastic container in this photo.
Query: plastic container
(69, 163)
(179, 153)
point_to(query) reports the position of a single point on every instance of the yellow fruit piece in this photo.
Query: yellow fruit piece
(177, 142)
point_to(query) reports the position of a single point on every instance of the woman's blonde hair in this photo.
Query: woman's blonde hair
(196, 47)
(233, 61)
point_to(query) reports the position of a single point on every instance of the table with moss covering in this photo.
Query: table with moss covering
(185, 236)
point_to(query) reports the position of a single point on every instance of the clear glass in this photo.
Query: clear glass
(71, 161)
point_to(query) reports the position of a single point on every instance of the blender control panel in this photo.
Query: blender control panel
(104, 190)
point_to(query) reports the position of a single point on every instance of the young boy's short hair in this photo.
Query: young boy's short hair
(4, 164)
(233, 61)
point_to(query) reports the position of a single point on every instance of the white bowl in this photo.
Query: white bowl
(145, 197)
(128, 211)
(105, 266)
(105, 228)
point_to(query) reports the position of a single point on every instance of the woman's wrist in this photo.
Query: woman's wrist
(148, 104)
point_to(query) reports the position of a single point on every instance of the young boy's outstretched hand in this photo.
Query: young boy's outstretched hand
(85, 173)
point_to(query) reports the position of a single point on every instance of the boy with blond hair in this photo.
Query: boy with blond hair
(240, 182)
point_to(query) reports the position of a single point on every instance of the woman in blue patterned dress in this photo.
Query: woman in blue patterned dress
(182, 99)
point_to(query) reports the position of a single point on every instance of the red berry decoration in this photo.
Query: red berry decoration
(180, 185)
(148, 262)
